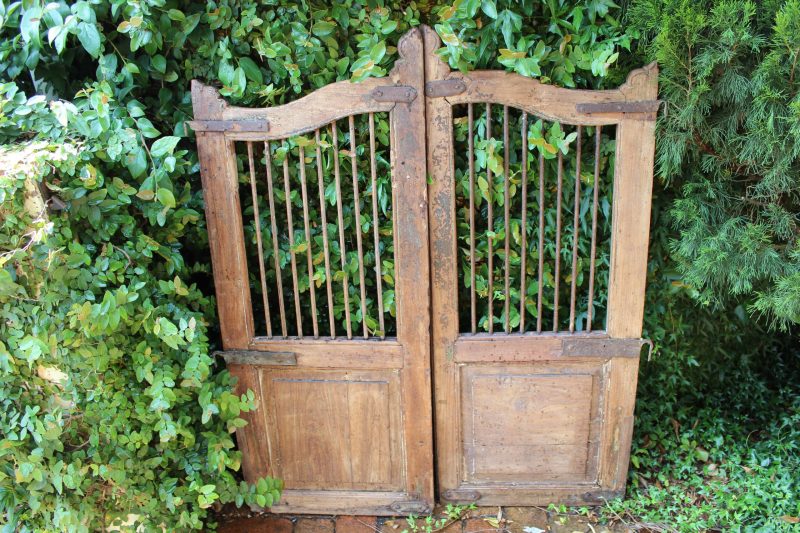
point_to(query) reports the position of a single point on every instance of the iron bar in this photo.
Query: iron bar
(307, 227)
(376, 223)
(359, 245)
(590, 311)
(274, 228)
(292, 256)
(337, 177)
(575, 230)
(259, 242)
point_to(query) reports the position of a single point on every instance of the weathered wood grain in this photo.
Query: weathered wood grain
(412, 271)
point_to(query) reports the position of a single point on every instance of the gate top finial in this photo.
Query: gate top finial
(643, 82)
(207, 103)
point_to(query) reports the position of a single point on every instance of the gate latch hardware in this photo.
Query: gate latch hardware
(639, 106)
(394, 93)
(230, 125)
(441, 88)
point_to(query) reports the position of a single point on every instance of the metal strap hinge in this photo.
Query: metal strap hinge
(230, 125)
(394, 93)
(638, 106)
(442, 88)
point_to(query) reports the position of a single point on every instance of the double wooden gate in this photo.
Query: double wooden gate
(472, 285)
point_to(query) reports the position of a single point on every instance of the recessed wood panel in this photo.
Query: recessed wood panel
(334, 429)
(530, 425)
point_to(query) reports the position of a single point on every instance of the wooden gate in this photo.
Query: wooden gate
(332, 304)
(539, 408)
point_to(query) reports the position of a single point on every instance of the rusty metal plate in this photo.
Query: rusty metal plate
(394, 93)
(230, 125)
(461, 495)
(258, 358)
(441, 88)
(640, 106)
(602, 347)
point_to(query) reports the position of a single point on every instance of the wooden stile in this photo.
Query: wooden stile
(523, 416)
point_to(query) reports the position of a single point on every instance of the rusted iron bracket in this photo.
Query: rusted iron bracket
(394, 93)
(639, 106)
(405, 507)
(230, 125)
(441, 88)
(603, 347)
(258, 358)
(461, 495)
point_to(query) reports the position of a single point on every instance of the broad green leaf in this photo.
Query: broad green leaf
(164, 146)
(90, 38)
(165, 197)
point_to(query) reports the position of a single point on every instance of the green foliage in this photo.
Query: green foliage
(717, 422)
(730, 140)
(110, 410)
(113, 409)
(430, 524)
(572, 44)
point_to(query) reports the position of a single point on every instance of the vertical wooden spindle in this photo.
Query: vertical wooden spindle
(471, 156)
(307, 227)
(292, 256)
(259, 242)
(575, 229)
(524, 232)
(557, 280)
(340, 216)
(541, 245)
(490, 213)
(274, 228)
(359, 246)
(376, 223)
(506, 222)
(590, 310)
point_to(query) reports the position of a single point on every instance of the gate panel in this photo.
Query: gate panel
(537, 293)
(312, 222)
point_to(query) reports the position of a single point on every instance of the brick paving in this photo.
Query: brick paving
(480, 520)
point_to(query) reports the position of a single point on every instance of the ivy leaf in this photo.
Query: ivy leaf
(147, 128)
(136, 161)
(90, 38)
(159, 63)
(166, 198)
(164, 146)
(251, 70)
(322, 28)
(489, 8)
(378, 51)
